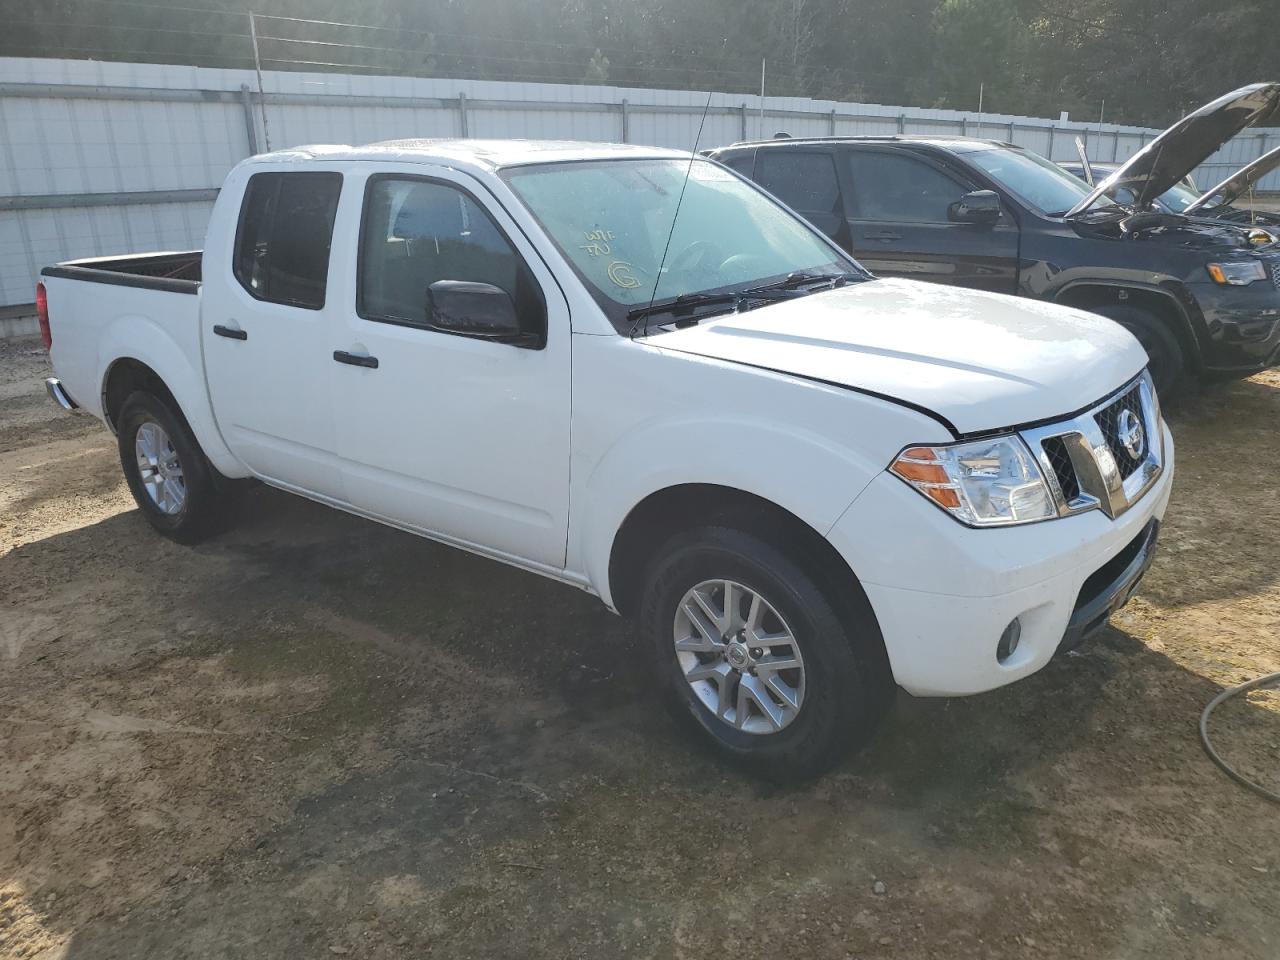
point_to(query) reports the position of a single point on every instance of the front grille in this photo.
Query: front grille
(1089, 456)
(1108, 419)
(1275, 273)
(1055, 449)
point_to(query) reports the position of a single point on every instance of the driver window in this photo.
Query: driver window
(416, 232)
(897, 188)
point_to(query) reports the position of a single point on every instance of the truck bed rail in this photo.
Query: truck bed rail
(172, 272)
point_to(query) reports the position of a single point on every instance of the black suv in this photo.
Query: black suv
(1200, 295)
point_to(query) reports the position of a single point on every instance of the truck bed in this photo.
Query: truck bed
(174, 272)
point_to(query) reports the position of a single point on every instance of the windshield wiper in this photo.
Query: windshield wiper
(686, 303)
(795, 281)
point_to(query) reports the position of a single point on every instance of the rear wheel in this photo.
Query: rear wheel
(753, 656)
(1165, 358)
(176, 488)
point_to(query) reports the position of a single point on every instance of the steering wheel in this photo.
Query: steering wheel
(695, 256)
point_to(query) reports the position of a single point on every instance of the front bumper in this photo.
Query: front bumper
(944, 593)
(1243, 324)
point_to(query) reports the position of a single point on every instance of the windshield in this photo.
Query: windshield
(1175, 200)
(1037, 181)
(1178, 198)
(612, 219)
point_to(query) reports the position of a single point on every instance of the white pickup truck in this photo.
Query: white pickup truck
(635, 372)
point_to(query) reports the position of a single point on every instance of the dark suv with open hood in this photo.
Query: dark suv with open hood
(1199, 294)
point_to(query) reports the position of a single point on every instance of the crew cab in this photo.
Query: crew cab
(634, 372)
(1201, 295)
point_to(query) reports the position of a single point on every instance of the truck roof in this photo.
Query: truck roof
(487, 154)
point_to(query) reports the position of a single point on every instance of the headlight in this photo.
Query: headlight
(1237, 274)
(984, 483)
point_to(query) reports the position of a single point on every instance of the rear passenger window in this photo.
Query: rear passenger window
(806, 182)
(416, 232)
(286, 229)
(900, 189)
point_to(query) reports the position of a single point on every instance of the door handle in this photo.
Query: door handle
(355, 359)
(231, 333)
(886, 236)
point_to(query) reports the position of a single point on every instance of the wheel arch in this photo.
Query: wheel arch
(144, 355)
(664, 513)
(1165, 303)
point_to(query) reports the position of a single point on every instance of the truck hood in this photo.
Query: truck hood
(1230, 189)
(978, 361)
(1188, 143)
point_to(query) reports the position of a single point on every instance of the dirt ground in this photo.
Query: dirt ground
(316, 737)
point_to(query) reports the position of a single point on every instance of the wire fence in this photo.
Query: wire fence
(108, 157)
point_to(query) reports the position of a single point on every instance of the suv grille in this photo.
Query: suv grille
(1110, 423)
(1275, 273)
(1055, 449)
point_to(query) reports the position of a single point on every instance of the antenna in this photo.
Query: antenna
(642, 320)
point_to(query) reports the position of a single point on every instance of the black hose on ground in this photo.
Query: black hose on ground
(1213, 754)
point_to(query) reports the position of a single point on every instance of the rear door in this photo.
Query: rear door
(463, 438)
(899, 222)
(806, 181)
(267, 318)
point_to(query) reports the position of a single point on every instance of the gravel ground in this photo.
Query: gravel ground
(318, 737)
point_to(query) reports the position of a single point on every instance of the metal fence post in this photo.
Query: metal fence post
(1053, 132)
(626, 121)
(1115, 147)
(902, 123)
(831, 125)
(463, 125)
(964, 126)
(743, 109)
(250, 128)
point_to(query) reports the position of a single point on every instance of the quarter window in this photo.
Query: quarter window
(806, 182)
(416, 232)
(900, 189)
(286, 230)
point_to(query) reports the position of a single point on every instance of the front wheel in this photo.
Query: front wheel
(180, 493)
(752, 654)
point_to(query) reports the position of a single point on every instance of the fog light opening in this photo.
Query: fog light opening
(1008, 644)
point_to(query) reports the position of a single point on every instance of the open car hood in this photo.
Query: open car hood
(1187, 144)
(1230, 189)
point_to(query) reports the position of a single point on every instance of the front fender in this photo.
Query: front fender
(791, 465)
(139, 337)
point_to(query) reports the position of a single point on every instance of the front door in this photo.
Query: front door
(267, 325)
(899, 222)
(461, 437)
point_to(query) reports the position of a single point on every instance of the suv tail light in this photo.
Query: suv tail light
(42, 311)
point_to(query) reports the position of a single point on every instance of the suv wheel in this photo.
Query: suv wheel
(176, 488)
(1164, 353)
(752, 655)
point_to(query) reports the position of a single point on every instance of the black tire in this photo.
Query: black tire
(206, 508)
(1166, 361)
(848, 686)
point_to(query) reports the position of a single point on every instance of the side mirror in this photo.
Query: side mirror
(478, 310)
(977, 206)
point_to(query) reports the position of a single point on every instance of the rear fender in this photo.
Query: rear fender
(140, 338)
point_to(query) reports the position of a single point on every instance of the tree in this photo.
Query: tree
(597, 68)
